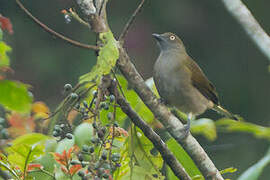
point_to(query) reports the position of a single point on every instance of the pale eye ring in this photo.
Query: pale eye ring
(172, 37)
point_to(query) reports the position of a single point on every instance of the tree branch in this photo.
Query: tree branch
(166, 154)
(241, 13)
(129, 23)
(46, 28)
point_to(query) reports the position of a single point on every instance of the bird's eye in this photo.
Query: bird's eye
(172, 37)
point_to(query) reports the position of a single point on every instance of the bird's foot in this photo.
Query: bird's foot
(186, 129)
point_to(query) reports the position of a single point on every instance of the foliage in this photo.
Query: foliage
(107, 56)
(92, 137)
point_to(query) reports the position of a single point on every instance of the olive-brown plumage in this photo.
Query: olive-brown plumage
(180, 81)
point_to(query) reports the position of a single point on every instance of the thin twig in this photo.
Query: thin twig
(129, 23)
(46, 28)
(26, 162)
(118, 83)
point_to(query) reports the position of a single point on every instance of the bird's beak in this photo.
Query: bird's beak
(157, 36)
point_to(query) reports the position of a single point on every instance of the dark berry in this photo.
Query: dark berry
(81, 173)
(103, 129)
(67, 87)
(77, 106)
(102, 105)
(154, 152)
(112, 98)
(55, 134)
(74, 96)
(91, 149)
(104, 155)
(69, 135)
(95, 93)
(106, 107)
(115, 124)
(85, 148)
(94, 125)
(100, 134)
(110, 116)
(74, 162)
(83, 110)
(80, 157)
(105, 175)
(94, 140)
(85, 104)
(62, 126)
(115, 157)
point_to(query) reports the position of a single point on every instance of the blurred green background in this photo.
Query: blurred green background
(212, 37)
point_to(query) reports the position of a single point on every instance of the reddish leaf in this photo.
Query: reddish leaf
(6, 24)
(20, 124)
(34, 166)
(74, 168)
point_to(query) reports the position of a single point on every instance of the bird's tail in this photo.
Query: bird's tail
(225, 112)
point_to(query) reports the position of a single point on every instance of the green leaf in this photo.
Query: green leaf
(4, 59)
(26, 148)
(138, 146)
(228, 170)
(228, 125)
(14, 96)
(106, 60)
(255, 171)
(183, 158)
(83, 134)
(205, 127)
(64, 144)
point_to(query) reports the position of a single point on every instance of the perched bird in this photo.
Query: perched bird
(181, 82)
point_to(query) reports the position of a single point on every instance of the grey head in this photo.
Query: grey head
(168, 41)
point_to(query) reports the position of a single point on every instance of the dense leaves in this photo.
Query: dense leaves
(15, 96)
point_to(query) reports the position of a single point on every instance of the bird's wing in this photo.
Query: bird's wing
(200, 81)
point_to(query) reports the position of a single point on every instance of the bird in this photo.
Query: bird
(180, 81)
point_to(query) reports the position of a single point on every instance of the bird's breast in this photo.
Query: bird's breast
(174, 85)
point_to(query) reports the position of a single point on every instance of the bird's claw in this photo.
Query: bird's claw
(185, 130)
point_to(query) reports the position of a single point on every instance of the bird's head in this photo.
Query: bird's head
(168, 40)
